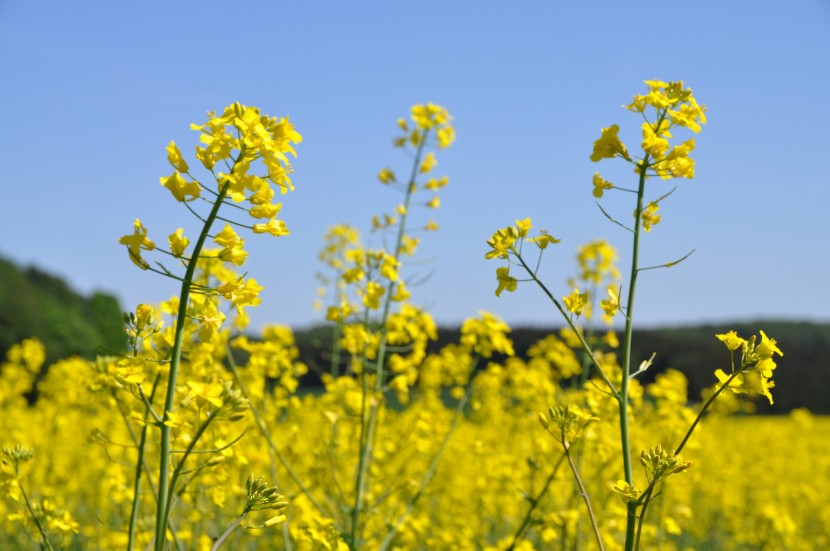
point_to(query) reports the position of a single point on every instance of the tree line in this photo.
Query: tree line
(34, 303)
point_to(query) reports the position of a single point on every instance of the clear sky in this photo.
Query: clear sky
(93, 92)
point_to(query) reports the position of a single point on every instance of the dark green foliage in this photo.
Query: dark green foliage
(36, 304)
(801, 380)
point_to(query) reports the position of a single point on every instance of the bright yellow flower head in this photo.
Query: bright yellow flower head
(677, 101)
(267, 210)
(386, 176)
(523, 226)
(131, 370)
(241, 293)
(176, 159)
(178, 242)
(650, 217)
(429, 115)
(436, 183)
(544, 239)
(611, 304)
(372, 296)
(274, 227)
(136, 243)
(143, 316)
(501, 242)
(255, 137)
(205, 393)
(486, 335)
(428, 163)
(626, 491)
(445, 135)
(232, 243)
(211, 320)
(655, 140)
(609, 145)
(600, 185)
(673, 106)
(506, 282)
(575, 302)
(731, 340)
(767, 347)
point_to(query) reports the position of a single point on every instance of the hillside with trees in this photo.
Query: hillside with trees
(34, 303)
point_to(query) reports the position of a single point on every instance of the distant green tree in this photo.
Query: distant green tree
(34, 303)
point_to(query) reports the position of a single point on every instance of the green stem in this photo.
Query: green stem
(646, 501)
(164, 461)
(221, 539)
(589, 337)
(626, 367)
(646, 496)
(585, 346)
(534, 503)
(34, 517)
(366, 447)
(199, 432)
(140, 463)
(705, 407)
(584, 493)
(366, 437)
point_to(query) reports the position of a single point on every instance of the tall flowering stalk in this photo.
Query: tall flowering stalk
(379, 285)
(233, 141)
(665, 108)
(670, 105)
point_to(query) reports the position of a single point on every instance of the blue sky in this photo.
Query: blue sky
(94, 91)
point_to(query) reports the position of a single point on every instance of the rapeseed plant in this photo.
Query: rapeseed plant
(666, 107)
(238, 138)
(404, 447)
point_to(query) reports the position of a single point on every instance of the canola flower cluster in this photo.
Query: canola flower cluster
(202, 437)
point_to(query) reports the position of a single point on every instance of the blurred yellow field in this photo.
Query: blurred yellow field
(755, 482)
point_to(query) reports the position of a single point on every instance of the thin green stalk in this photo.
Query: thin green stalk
(221, 539)
(199, 432)
(705, 407)
(589, 337)
(646, 501)
(534, 503)
(646, 497)
(164, 461)
(140, 463)
(584, 493)
(34, 517)
(626, 367)
(585, 346)
(366, 448)
(364, 429)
